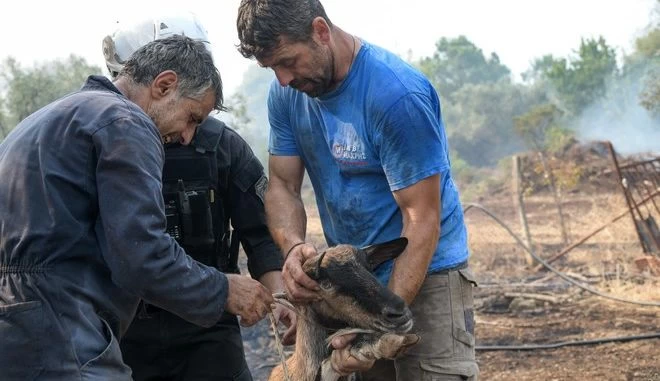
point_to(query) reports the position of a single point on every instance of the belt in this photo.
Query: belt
(459, 266)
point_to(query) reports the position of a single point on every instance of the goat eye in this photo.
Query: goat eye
(326, 285)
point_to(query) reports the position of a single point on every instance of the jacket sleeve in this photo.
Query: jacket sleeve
(247, 214)
(143, 259)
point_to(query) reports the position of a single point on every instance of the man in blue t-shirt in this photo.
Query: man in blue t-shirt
(367, 128)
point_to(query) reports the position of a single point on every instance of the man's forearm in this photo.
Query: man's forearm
(286, 217)
(412, 265)
(272, 280)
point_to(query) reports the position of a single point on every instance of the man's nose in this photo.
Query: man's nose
(284, 77)
(187, 135)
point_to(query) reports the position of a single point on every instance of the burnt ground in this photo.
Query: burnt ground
(570, 321)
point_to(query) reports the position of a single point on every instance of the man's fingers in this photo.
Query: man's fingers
(301, 294)
(300, 287)
(298, 275)
(298, 292)
(304, 280)
(345, 364)
(289, 337)
(340, 362)
(263, 305)
(250, 319)
(342, 341)
(289, 282)
(246, 321)
(294, 269)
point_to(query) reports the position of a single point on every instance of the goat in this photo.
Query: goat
(352, 300)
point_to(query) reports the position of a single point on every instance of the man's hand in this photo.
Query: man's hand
(300, 288)
(342, 361)
(248, 299)
(287, 317)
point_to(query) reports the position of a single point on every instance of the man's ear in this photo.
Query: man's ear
(164, 84)
(320, 30)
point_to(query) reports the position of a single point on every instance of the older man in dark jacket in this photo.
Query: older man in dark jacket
(82, 221)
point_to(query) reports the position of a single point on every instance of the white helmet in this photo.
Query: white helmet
(118, 47)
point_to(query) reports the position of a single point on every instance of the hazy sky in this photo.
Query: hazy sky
(517, 30)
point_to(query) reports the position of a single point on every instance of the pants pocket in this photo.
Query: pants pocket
(22, 332)
(461, 283)
(109, 364)
(468, 282)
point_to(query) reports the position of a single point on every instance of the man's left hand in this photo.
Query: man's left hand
(287, 317)
(341, 359)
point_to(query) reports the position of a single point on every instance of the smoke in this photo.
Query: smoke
(620, 118)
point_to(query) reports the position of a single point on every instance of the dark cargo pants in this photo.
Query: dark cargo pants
(162, 346)
(444, 319)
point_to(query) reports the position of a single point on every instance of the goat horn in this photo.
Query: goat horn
(318, 265)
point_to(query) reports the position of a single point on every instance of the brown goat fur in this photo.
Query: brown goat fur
(352, 299)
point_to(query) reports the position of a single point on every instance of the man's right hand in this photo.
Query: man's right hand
(300, 288)
(248, 299)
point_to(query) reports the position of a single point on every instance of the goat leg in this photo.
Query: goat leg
(385, 346)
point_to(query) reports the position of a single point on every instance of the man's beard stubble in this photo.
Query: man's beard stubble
(322, 84)
(162, 118)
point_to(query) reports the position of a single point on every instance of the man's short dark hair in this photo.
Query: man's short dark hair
(262, 23)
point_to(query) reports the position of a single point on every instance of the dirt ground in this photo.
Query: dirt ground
(571, 315)
(516, 305)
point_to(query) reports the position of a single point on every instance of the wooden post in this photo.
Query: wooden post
(556, 195)
(516, 185)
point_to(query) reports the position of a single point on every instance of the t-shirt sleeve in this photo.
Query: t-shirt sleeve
(411, 142)
(281, 141)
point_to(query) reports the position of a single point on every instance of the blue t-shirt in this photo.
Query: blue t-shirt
(380, 131)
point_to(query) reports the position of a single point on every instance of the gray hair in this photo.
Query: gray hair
(189, 59)
(262, 23)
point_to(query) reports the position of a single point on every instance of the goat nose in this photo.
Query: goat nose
(393, 313)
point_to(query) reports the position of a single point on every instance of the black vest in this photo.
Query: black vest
(195, 203)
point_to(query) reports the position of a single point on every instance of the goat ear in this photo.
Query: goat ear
(381, 252)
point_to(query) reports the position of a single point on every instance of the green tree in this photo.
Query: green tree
(479, 122)
(579, 80)
(248, 113)
(28, 89)
(4, 129)
(535, 125)
(539, 127)
(239, 118)
(648, 57)
(458, 62)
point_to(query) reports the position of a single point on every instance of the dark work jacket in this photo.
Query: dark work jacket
(241, 186)
(82, 238)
